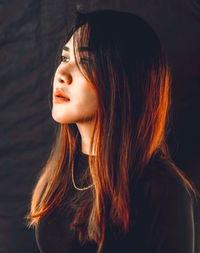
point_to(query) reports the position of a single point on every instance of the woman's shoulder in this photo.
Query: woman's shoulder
(162, 183)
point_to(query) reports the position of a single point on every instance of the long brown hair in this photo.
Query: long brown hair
(128, 68)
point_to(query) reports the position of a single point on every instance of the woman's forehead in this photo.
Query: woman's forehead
(69, 45)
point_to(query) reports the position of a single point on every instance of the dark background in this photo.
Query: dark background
(30, 32)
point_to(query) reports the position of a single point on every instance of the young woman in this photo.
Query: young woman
(109, 184)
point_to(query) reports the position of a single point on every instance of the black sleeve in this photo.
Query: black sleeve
(170, 223)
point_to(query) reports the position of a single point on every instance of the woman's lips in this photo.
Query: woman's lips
(59, 100)
(60, 97)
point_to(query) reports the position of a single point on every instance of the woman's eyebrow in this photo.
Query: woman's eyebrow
(82, 49)
(65, 48)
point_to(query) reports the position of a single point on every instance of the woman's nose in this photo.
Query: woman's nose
(63, 77)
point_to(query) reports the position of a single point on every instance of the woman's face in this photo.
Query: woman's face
(80, 99)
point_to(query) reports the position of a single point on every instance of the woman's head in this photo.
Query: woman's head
(120, 60)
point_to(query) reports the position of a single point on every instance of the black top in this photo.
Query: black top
(164, 223)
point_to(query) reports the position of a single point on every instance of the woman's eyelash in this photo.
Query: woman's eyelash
(64, 58)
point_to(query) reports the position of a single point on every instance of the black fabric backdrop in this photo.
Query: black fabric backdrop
(30, 32)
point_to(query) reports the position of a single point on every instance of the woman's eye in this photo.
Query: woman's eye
(64, 58)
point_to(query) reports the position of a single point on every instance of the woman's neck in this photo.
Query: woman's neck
(85, 130)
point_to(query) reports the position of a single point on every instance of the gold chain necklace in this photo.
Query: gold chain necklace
(77, 188)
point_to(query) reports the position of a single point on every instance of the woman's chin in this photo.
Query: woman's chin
(58, 118)
(63, 119)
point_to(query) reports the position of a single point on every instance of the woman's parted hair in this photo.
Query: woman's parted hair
(127, 66)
